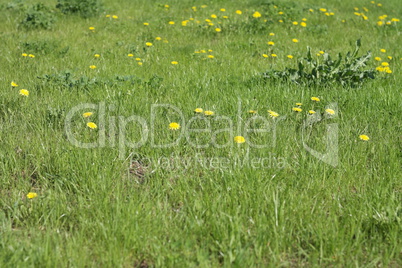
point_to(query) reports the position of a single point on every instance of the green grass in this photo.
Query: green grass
(184, 206)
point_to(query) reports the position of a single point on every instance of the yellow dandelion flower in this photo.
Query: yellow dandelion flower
(252, 111)
(294, 40)
(330, 111)
(209, 113)
(388, 71)
(273, 114)
(166, 6)
(271, 43)
(321, 52)
(218, 30)
(384, 63)
(256, 14)
(211, 56)
(87, 114)
(380, 69)
(174, 126)
(92, 28)
(148, 44)
(92, 67)
(198, 110)
(184, 22)
(383, 50)
(389, 57)
(380, 23)
(311, 112)
(311, 10)
(24, 54)
(297, 109)
(379, 5)
(281, 21)
(137, 59)
(130, 55)
(239, 12)
(165, 41)
(315, 99)
(13, 84)
(203, 6)
(271, 34)
(24, 92)
(107, 16)
(377, 58)
(327, 13)
(364, 137)
(298, 104)
(210, 24)
(146, 23)
(303, 24)
(31, 55)
(395, 20)
(214, 16)
(304, 19)
(174, 62)
(32, 195)
(115, 17)
(323, 10)
(96, 55)
(281, 13)
(171, 22)
(222, 10)
(139, 63)
(92, 125)
(274, 55)
(158, 38)
(295, 23)
(265, 55)
(225, 17)
(289, 56)
(239, 139)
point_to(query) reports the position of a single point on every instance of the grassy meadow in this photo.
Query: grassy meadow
(178, 134)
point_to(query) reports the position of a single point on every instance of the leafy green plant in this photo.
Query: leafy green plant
(84, 8)
(68, 80)
(38, 16)
(43, 46)
(348, 70)
(13, 5)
